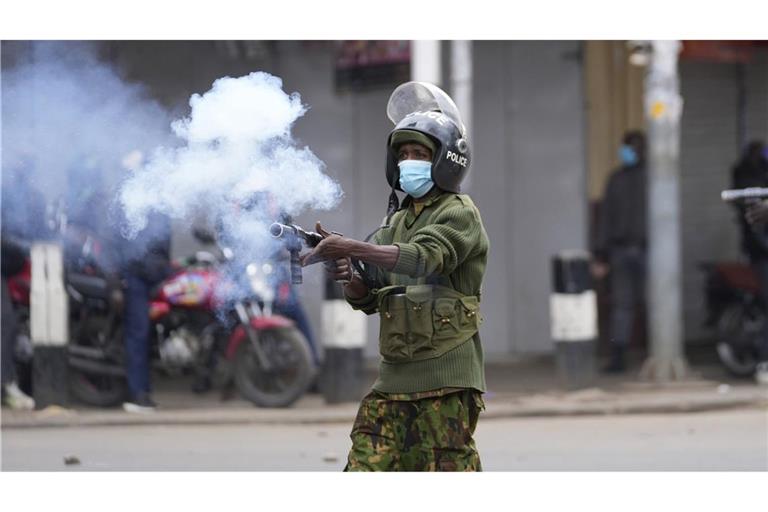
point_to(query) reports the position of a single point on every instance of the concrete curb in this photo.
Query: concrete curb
(597, 403)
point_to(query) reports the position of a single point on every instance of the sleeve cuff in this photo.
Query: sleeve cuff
(364, 303)
(407, 261)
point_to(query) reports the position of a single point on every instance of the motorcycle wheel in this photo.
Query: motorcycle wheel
(288, 353)
(738, 331)
(97, 390)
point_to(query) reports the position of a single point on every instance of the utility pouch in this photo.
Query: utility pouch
(424, 322)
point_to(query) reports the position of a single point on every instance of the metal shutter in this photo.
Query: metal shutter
(708, 149)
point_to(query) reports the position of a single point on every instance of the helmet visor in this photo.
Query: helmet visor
(422, 97)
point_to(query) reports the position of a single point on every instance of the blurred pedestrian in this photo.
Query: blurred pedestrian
(23, 222)
(621, 244)
(752, 171)
(423, 275)
(146, 263)
(13, 258)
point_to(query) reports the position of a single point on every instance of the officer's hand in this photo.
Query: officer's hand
(757, 213)
(333, 247)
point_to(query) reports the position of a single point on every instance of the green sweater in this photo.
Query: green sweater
(450, 249)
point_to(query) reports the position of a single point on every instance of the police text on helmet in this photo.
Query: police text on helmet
(456, 158)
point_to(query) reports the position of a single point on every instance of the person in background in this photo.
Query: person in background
(752, 171)
(621, 244)
(146, 262)
(23, 222)
(13, 258)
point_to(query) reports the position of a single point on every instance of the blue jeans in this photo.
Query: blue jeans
(136, 325)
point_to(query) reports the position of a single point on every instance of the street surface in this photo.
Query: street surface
(718, 440)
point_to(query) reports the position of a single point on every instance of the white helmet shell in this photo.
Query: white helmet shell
(413, 97)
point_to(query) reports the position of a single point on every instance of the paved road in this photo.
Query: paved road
(721, 440)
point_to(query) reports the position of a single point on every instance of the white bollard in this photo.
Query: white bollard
(573, 317)
(49, 326)
(344, 338)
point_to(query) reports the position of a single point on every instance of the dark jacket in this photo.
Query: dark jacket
(622, 217)
(754, 241)
(148, 256)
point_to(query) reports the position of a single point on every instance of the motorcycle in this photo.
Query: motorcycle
(194, 329)
(736, 312)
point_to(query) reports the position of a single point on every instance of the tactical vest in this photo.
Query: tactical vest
(423, 321)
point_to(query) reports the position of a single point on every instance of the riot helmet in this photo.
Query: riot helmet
(420, 108)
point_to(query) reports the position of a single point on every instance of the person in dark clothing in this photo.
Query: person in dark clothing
(13, 258)
(621, 244)
(23, 222)
(752, 171)
(146, 263)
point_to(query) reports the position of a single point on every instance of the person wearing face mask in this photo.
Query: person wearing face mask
(421, 271)
(621, 244)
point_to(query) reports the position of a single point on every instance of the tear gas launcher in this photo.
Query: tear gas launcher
(294, 237)
(744, 195)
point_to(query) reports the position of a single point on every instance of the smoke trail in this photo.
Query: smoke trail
(238, 165)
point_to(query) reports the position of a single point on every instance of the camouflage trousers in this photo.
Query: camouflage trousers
(429, 434)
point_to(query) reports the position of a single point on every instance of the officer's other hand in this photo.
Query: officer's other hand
(757, 213)
(339, 269)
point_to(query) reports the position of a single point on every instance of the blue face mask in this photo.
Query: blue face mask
(415, 177)
(628, 155)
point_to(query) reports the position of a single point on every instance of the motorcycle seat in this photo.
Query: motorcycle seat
(89, 286)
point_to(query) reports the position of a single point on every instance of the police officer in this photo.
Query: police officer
(422, 273)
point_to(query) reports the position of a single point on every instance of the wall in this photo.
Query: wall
(614, 97)
(528, 179)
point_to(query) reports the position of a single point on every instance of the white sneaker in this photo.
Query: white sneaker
(15, 398)
(141, 404)
(761, 373)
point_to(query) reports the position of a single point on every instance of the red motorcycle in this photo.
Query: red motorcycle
(199, 325)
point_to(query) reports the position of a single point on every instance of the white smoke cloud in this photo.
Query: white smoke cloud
(246, 110)
(237, 149)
